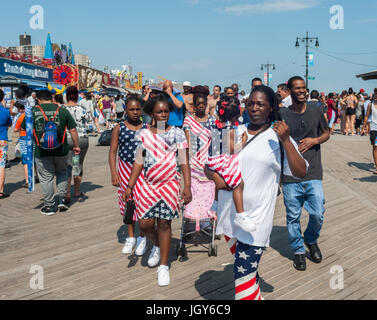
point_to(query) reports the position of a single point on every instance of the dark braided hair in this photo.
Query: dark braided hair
(149, 105)
(228, 109)
(272, 99)
(200, 92)
(132, 97)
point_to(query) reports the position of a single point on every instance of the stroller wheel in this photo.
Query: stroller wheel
(212, 250)
(183, 254)
(215, 250)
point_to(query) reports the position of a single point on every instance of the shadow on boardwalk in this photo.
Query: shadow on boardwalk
(362, 166)
(219, 285)
(279, 242)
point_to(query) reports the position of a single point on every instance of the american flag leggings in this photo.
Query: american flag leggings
(246, 262)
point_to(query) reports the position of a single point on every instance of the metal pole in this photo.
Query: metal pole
(307, 59)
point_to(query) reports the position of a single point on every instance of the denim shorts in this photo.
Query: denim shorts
(3, 153)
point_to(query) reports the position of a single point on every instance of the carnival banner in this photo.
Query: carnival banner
(140, 79)
(89, 78)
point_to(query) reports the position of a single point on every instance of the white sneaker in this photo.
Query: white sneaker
(154, 257)
(129, 245)
(245, 222)
(141, 246)
(163, 276)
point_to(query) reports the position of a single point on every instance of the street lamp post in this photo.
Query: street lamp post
(268, 66)
(307, 40)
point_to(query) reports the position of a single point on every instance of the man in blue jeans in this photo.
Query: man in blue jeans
(309, 128)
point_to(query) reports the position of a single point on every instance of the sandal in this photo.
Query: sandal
(3, 195)
(375, 172)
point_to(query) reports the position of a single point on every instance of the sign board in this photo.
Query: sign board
(89, 78)
(25, 71)
(311, 59)
(140, 79)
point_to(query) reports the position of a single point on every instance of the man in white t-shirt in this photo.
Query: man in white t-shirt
(285, 95)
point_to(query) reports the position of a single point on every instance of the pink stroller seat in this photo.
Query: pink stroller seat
(198, 215)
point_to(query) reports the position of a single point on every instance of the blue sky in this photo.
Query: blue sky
(208, 41)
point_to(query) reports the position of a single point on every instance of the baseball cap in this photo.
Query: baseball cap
(187, 84)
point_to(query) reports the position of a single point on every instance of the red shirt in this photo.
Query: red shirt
(330, 108)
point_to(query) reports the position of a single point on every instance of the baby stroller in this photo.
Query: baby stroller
(197, 229)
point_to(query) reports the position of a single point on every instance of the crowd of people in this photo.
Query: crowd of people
(227, 153)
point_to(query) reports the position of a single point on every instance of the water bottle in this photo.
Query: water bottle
(76, 165)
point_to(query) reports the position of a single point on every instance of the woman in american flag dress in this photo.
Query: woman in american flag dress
(123, 141)
(198, 128)
(158, 199)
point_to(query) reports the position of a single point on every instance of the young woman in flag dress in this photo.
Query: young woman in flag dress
(123, 141)
(198, 129)
(158, 200)
(261, 166)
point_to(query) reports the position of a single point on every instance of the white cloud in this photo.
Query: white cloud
(193, 65)
(269, 6)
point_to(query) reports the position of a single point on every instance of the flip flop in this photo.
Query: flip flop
(3, 195)
(375, 172)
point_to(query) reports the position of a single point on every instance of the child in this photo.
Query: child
(22, 140)
(123, 141)
(224, 156)
(198, 127)
(157, 200)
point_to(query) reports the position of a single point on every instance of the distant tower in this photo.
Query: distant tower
(25, 40)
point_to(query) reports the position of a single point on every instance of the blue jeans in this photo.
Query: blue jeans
(307, 194)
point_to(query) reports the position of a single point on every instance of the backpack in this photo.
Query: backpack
(105, 138)
(51, 137)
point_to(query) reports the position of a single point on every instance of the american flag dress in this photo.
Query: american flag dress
(221, 161)
(202, 189)
(159, 196)
(126, 156)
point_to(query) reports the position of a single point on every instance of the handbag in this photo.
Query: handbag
(129, 212)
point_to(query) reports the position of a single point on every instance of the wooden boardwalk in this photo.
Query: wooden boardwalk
(80, 250)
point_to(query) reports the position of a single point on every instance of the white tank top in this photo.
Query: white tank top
(373, 123)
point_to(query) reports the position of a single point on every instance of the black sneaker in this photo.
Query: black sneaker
(300, 262)
(48, 211)
(315, 252)
(62, 206)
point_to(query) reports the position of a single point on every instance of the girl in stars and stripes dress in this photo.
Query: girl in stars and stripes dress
(158, 199)
(123, 141)
(198, 128)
